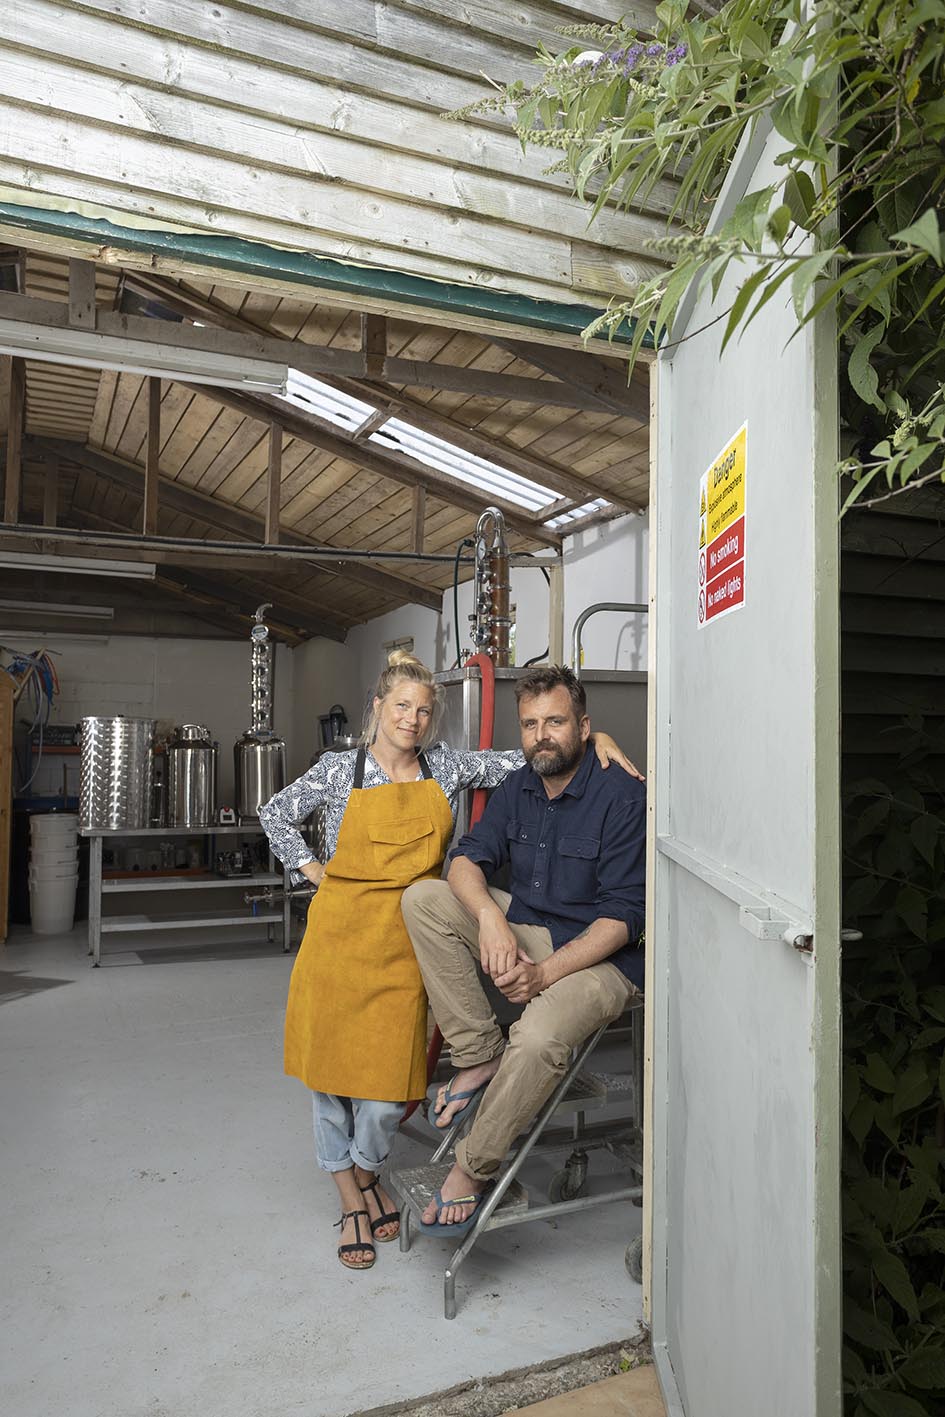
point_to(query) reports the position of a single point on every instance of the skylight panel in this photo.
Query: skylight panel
(576, 513)
(312, 396)
(466, 467)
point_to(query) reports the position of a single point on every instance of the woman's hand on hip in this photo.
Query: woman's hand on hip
(313, 871)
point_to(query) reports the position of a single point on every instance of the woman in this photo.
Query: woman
(356, 1017)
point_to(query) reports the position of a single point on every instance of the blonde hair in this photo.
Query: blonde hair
(401, 665)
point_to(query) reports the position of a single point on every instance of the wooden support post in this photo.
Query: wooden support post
(11, 498)
(274, 493)
(419, 517)
(556, 615)
(51, 491)
(374, 344)
(6, 795)
(82, 294)
(152, 459)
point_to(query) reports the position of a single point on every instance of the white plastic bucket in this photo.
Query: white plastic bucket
(53, 855)
(52, 906)
(44, 822)
(66, 871)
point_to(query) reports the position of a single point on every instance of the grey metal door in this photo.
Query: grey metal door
(744, 968)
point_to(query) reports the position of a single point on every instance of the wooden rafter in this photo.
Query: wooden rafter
(14, 459)
(609, 386)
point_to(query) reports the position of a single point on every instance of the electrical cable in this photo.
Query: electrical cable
(459, 551)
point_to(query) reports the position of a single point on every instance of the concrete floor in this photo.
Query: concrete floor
(169, 1249)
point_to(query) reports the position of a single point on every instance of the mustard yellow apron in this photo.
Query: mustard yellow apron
(356, 1016)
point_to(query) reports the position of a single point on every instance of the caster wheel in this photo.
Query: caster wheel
(567, 1184)
(633, 1259)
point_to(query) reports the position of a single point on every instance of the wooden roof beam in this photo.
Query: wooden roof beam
(609, 386)
(234, 521)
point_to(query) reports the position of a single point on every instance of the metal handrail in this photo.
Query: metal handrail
(585, 616)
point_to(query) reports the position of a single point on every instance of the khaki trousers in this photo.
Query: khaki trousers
(446, 940)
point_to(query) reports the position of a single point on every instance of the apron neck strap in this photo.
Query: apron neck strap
(360, 761)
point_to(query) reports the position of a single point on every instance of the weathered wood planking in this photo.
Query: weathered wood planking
(220, 109)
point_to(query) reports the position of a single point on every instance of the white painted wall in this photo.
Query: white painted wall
(609, 562)
(187, 681)
(324, 673)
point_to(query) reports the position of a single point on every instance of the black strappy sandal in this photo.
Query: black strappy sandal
(360, 1245)
(386, 1217)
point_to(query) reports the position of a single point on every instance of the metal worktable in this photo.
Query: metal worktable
(99, 926)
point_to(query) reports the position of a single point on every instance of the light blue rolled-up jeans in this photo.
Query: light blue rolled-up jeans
(353, 1131)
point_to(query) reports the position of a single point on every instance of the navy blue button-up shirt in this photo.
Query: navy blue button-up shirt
(574, 858)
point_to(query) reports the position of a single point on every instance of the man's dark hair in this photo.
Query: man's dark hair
(555, 676)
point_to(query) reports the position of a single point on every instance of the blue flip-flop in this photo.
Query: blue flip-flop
(456, 1227)
(450, 1096)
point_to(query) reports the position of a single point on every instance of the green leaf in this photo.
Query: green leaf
(894, 1277)
(867, 1330)
(800, 197)
(779, 223)
(804, 276)
(909, 1207)
(885, 1403)
(862, 375)
(925, 1369)
(879, 1074)
(861, 1119)
(935, 1239)
(745, 292)
(923, 233)
(912, 1089)
(913, 907)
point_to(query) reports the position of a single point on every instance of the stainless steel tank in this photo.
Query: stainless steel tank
(259, 756)
(191, 777)
(115, 773)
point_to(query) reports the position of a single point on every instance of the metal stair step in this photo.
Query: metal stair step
(587, 1090)
(416, 1184)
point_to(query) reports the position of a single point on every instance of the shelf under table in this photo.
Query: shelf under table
(111, 924)
(188, 883)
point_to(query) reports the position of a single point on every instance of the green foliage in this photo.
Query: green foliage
(854, 220)
(894, 1090)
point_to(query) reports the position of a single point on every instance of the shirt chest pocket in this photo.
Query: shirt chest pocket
(575, 867)
(522, 839)
(402, 850)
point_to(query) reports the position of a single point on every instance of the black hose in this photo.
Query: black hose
(459, 551)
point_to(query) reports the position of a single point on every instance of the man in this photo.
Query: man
(564, 943)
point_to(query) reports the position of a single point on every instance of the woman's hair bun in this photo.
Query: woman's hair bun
(401, 656)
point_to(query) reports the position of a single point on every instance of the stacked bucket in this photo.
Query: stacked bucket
(54, 871)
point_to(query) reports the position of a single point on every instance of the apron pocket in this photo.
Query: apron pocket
(403, 850)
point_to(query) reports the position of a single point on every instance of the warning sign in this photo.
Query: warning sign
(722, 522)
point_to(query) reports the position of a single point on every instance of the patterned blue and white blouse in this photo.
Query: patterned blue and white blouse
(330, 781)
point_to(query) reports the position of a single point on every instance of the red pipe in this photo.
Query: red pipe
(486, 734)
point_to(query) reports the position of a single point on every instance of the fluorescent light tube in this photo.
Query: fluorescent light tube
(76, 565)
(90, 350)
(44, 609)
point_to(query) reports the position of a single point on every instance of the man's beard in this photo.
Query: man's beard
(554, 759)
